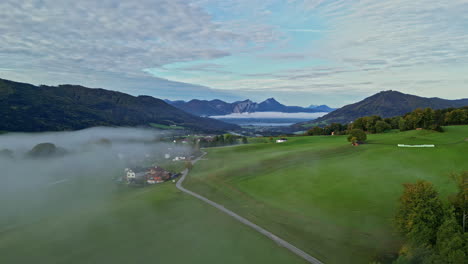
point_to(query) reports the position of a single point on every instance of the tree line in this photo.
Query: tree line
(420, 118)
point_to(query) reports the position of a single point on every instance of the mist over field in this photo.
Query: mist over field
(80, 173)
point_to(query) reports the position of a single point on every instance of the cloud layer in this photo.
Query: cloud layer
(176, 48)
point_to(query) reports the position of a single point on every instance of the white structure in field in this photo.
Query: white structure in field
(178, 158)
(281, 140)
(415, 146)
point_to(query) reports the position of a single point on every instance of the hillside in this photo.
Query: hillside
(384, 104)
(30, 108)
(219, 107)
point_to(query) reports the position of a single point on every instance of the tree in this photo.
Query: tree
(420, 213)
(460, 199)
(188, 165)
(428, 118)
(315, 131)
(244, 140)
(219, 140)
(370, 123)
(229, 139)
(456, 117)
(43, 150)
(381, 126)
(451, 245)
(360, 123)
(358, 134)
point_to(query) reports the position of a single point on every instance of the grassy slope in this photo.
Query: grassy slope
(149, 225)
(331, 199)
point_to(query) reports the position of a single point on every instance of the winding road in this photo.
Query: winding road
(241, 219)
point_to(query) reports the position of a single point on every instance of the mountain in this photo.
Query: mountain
(322, 108)
(218, 107)
(203, 108)
(385, 104)
(29, 108)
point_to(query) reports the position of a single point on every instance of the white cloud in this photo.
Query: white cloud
(113, 36)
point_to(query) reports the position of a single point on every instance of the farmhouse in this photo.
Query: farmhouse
(133, 177)
(157, 175)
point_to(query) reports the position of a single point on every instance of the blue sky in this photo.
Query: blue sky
(301, 52)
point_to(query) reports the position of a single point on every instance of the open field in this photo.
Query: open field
(157, 224)
(323, 195)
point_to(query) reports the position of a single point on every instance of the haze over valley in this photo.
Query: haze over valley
(240, 131)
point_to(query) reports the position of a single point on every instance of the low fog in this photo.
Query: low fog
(79, 173)
(279, 115)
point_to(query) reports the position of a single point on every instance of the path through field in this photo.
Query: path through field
(268, 234)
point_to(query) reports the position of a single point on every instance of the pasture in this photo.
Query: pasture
(330, 199)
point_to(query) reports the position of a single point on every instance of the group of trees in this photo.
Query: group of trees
(419, 118)
(336, 128)
(433, 119)
(434, 231)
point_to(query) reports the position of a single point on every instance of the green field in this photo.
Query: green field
(157, 224)
(331, 199)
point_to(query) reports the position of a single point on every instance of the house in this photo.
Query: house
(281, 140)
(157, 175)
(154, 180)
(130, 175)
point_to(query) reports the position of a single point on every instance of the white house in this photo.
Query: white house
(130, 174)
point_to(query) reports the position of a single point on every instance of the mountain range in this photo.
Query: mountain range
(384, 104)
(29, 108)
(218, 107)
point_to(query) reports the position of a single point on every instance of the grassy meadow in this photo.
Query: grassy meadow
(331, 199)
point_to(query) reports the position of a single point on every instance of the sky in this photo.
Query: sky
(300, 52)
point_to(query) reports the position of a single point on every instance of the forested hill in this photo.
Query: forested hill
(29, 108)
(384, 104)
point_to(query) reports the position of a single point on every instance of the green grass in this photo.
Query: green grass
(158, 224)
(160, 126)
(331, 199)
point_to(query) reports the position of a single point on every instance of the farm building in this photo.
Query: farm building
(157, 175)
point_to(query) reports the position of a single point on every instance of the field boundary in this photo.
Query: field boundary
(241, 219)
